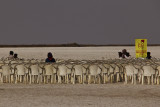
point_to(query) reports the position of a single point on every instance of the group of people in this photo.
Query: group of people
(14, 56)
(122, 55)
(125, 54)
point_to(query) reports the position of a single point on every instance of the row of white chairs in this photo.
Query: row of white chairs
(71, 71)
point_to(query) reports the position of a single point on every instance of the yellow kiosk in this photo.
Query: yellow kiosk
(141, 48)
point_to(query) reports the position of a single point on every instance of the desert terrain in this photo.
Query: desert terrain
(78, 95)
(89, 53)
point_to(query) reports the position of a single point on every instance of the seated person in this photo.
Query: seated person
(50, 58)
(11, 55)
(148, 55)
(128, 55)
(15, 56)
(120, 55)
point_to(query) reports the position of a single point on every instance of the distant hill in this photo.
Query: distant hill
(71, 45)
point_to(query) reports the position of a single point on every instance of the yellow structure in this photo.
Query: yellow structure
(141, 48)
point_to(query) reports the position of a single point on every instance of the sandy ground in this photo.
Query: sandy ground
(89, 53)
(79, 95)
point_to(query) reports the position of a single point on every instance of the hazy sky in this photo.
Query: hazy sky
(81, 21)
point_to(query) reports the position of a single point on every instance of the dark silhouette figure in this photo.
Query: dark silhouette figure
(127, 54)
(11, 55)
(124, 54)
(120, 54)
(15, 56)
(148, 55)
(50, 58)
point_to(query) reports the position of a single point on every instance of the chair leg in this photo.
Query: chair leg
(142, 79)
(152, 79)
(8, 78)
(89, 79)
(111, 78)
(59, 79)
(51, 79)
(134, 78)
(55, 78)
(83, 78)
(2, 78)
(73, 78)
(125, 78)
(117, 77)
(99, 77)
(148, 78)
(104, 78)
(16, 80)
(94, 79)
(30, 79)
(158, 80)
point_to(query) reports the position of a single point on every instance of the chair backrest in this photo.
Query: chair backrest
(129, 70)
(34, 69)
(62, 70)
(104, 68)
(21, 69)
(69, 68)
(148, 70)
(6, 70)
(48, 69)
(94, 70)
(79, 70)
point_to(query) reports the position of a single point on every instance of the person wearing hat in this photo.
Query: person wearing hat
(50, 58)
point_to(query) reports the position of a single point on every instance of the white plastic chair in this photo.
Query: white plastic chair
(78, 70)
(62, 72)
(21, 71)
(49, 71)
(35, 72)
(131, 71)
(6, 73)
(148, 72)
(94, 71)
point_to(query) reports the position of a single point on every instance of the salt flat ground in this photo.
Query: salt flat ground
(78, 95)
(76, 52)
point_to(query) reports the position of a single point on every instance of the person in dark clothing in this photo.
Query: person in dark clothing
(124, 52)
(50, 58)
(15, 56)
(148, 55)
(127, 54)
(11, 55)
(120, 55)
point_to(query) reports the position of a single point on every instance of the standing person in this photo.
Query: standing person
(11, 55)
(50, 58)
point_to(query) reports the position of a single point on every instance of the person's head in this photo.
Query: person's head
(124, 51)
(15, 55)
(50, 55)
(11, 53)
(120, 54)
